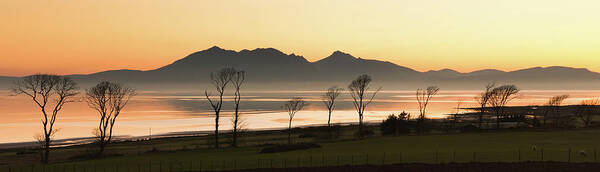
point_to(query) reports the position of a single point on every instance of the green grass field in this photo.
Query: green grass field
(501, 146)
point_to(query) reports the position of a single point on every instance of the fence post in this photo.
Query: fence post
(400, 157)
(383, 160)
(367, 159)
(569, 155)
(352, 160)
(235, 164)
(519, 155)
(258, 163)
(285, 163)
(160, 166)
(542, 154)
(595, 155)
(323, 160)
(454, 156)
(338, 160)
(436, 156)
(271, 162)
(474, 157)
(310, 164)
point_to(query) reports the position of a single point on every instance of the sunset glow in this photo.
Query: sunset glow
(66, 37)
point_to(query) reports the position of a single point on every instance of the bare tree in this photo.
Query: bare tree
(358, 90)
(237, 81)
(554, 104)
(50, 93)
(220, 80)
(586, 111)
(292, 106)
(499, 97)
(455, 116)
(108, 99)
(329, 100)
(423, 98)
(483, 100)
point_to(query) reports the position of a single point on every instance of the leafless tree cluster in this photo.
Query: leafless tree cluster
(359, 89)
(292, 106)
(329, 99)
(553, 106)
(586, 110)
(499, 97)
(50, 93)
(423, 98)
(483, 100)
(220, 81)
(108, 99)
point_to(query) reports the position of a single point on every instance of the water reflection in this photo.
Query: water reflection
(177, 111)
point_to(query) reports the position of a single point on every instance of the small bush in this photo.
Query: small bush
(395, 125)
(307, 135)
(365, 132)
(469, 128)
(289, 147)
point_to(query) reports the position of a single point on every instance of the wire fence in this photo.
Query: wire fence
(315, 160)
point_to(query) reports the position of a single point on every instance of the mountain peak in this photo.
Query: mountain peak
(214, 48)
(338, 53)
(341, 55)
(271, 51)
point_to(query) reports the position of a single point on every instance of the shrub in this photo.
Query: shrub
(469, 128)
(289, 147)
(395, 125)
(307, 135)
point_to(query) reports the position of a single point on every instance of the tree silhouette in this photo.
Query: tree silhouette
(423, 98)
(220, 80)
(329, 98)
(358, 90)
(292, 106)
(553, 105)
(44, 89)
(108, 99)
(499, 97)
(483, 101)
(586, 110)
(237, 81)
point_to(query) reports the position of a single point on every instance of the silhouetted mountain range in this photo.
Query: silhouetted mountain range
(269, 65)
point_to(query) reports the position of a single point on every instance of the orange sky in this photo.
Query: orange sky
(85, 36)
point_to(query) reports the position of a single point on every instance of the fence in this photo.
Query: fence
(316, 160)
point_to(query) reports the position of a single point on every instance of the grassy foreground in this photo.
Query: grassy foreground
(501, 146)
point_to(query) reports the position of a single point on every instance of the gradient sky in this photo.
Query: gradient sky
(86, 36)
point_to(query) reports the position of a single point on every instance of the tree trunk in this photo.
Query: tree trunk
(360, 125)
(497, 121)
(102, 145)
(47, 150)
(235, 126)
(217, 130)
(290, 132)
(329, 120)
(481, 116)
